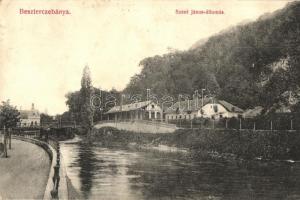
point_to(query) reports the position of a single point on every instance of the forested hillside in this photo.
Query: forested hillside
(247, 65)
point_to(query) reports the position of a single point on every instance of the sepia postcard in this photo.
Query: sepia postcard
(150, 99)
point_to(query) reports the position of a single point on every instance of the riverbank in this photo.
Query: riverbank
(232, 144)
(24, 174)
(119, 172)
(139, 126)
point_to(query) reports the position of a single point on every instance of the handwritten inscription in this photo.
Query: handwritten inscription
(198, 12)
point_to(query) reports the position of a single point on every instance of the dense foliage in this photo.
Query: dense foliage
(245, 144)
(247, 65)
(79, 103)
(9, 115)
(46, 119)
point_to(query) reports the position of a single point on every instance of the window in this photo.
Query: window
(152, 106)
(221, 116)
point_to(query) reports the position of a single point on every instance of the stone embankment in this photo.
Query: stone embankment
(139, 126)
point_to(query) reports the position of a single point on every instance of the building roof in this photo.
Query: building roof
(250, 113)
(25, 114)
(229, 107)
(283, 109)
(190, 105)
(129, 107)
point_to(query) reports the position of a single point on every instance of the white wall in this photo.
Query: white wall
(183, 116)
(209, 111)
(155, 109)
(27, 122)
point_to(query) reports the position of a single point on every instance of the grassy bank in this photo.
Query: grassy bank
(245, 144)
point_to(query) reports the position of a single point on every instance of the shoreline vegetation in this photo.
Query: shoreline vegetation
(208, 144)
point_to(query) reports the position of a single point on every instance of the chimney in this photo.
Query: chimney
(195, 99)
(32, 106)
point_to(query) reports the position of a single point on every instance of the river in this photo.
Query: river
(97, 172)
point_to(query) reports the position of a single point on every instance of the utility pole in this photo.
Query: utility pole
(271, 125)
(148, 94)
(196, 102)
(202, 96)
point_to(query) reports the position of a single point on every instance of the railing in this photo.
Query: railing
(56, 177)
(44, 136)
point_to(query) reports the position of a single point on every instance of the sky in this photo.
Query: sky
(42, 56)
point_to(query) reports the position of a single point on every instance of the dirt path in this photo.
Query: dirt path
(24, 174)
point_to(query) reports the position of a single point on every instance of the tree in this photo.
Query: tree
(9, 115)
(86, 92)
(236, 65)
(46, 119)
(74, 103)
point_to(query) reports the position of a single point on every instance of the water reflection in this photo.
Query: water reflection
(98, 172)
(87, 162)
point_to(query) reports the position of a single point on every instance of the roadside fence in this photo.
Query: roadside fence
(238, 124)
